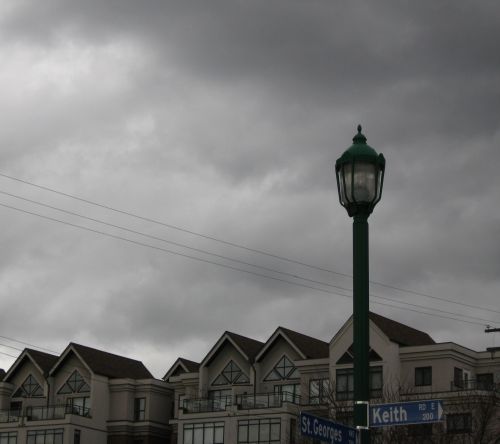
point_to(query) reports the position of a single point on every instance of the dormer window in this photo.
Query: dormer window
(284, 369)
(74, 384)
(30, 388)
(231, 374)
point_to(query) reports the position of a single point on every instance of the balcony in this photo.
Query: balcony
(7, 416)
(51, 412)
(474, 384)
(202, 405)
(266, 400)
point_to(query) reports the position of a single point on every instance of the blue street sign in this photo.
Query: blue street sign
(326, 430)
(416, 412)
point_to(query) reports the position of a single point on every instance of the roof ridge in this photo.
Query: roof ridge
(285, 329)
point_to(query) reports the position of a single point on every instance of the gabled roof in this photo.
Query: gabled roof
(400, 333)
(106, 364)
(182, 365)
(247, 347)
(306, 346)
(42, 361)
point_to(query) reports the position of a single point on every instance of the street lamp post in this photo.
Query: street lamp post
(360, 177)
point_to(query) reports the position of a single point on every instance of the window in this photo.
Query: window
(231, 374)
(423, 376)
(204, 433)
(458, 423)
(8, 437)
(376, 382)
(16, 406)
(485, 381)
(76, 437)
(30, 388)
(284, 369)
(319, 390)
(288, 392)
(50, 436)
(259, 431)
(139, 409)
(458, 377)
(74, 384)
(221, 398)
(345, 383)
(78, 406)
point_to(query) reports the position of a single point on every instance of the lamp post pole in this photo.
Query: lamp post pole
(361, 324)
(360, 177)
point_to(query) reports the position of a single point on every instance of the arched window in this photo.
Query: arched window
(30, 388)
(231, 374)
(284, 369)
(74, 384)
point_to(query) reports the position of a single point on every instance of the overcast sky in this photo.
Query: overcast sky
(225, 118)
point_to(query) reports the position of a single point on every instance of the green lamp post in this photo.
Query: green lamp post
(360, 176)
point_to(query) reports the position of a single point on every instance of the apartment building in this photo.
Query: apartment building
(245, 391)
(83, 396)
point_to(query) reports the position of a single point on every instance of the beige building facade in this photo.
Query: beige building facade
(248, 392)
(83, 396)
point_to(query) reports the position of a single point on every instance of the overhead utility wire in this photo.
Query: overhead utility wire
(6, 354)
(177, 244)
(11, 346)
(227, 257)
(27, 343)
(221, 265)
(233, 244)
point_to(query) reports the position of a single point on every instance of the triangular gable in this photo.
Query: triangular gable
(245, 346)
(40, 360)
(393, 331)
(69, 350)
(279, 333)
(348, 356)
(181, 366)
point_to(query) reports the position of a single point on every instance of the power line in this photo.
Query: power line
(177, 244)
(295, 276)
(27, 343)
(220, 264)
(236, 245)
(6, 354)
(11, 346)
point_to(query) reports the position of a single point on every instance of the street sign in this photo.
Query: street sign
(401, 413)
(326, 430)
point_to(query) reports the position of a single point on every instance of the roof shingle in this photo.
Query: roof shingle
(110, 365)
(311, 347)
(399, 333)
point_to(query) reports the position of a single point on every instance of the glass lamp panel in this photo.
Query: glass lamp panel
(347, 183)
(380, 177)
(340, 182)
(365, 182)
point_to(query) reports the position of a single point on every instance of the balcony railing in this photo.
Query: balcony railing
(474, 384)
(206, 405)
(9, 416)
(45, 412)
(266, 400)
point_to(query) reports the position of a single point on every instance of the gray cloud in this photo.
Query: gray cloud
(226, 118)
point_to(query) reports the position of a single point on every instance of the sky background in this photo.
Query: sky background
(225, 118)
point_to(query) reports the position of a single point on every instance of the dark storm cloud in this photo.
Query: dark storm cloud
(226, 117)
